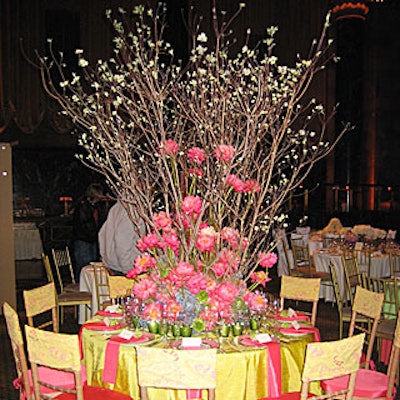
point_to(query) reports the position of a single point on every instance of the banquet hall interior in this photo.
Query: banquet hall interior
(357, 183)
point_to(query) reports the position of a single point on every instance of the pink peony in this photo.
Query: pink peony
(148, 242)
(224, 152)
(170, 240)
(267, 260)
(236, 183)
(220, 268)
(251, 186)
(196, 155)
(184, 269)
(231, 236)
(192, 205)
(162, 220)
(226, 292)
(145, 289)
(196, 282)
(144, 262)
(199, 173)
(169, 147)
(206, 239)
(173, 310)
(152, 311)
(254, 301)
(261, 277)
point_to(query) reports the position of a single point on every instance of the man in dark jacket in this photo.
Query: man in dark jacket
(89, 215)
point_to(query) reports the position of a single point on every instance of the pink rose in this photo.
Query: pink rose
(196, 155)
(169, 147)
(267, 260)
(224, 152)
(192, 205)
(144, 289)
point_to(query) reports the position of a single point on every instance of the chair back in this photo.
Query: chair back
(54, 350)
(338, 297)
(101, 276)
(38, 302)
(394, 260)
(47, 267)
(352, 275)
(394, 360)
(17, 346)
(302, 289)
(390, 288)
(120, 286)
(368, 304)
(327, 360)
(176, 369)
(301, 255)
(63, 265)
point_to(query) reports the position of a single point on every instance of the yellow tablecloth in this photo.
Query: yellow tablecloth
(241, 375)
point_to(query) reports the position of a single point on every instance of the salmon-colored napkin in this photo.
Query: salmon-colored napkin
(111, 354)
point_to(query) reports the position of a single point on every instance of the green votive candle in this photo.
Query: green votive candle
(237, 329)
(253, 324)
(153, 326)
(186, 331)
(224, 330)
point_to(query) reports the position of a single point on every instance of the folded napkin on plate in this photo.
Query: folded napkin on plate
(111, 355)
(302, 330)
(297, 317)
(101, 326)
(104, 313)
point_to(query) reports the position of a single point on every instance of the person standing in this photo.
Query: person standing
(117, 241)
(88, 217)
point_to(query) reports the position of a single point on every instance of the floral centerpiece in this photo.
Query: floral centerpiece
(202, 154)
(198, 280)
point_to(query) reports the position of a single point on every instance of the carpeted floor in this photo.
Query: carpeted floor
(327, 322)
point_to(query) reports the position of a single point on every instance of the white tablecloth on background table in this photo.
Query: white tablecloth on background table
(380, 267)
(87, 284)
(27, 242)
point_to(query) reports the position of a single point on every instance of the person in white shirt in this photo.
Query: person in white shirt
(117, 241)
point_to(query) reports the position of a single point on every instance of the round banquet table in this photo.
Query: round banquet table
(380, 267)
(241, 372)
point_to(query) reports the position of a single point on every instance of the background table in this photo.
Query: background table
(241, 375)
(380, 267)
(27, 241)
